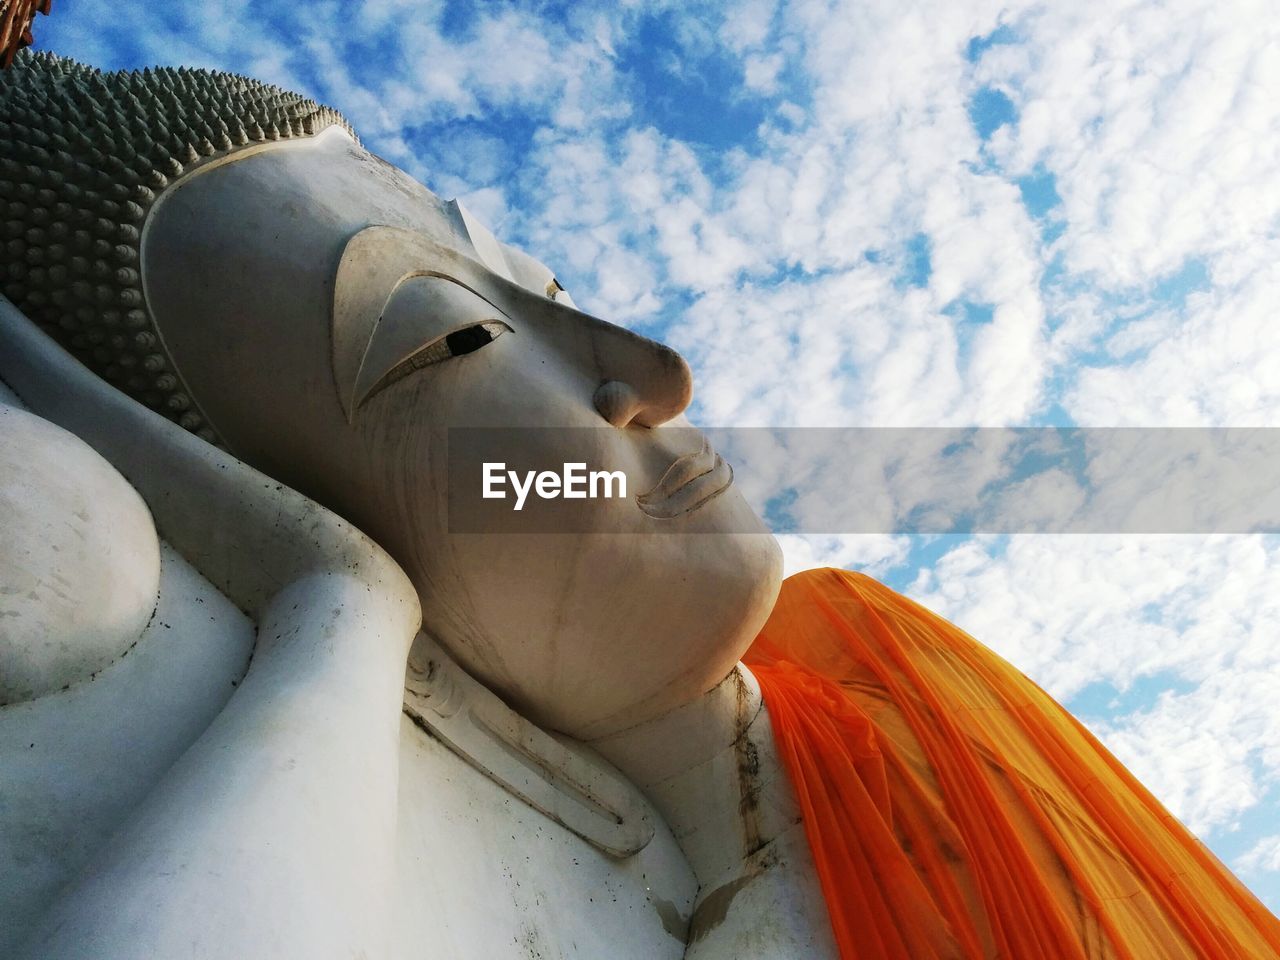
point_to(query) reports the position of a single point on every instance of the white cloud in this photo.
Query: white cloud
(748, 25)
(1263, 855)
(1160, 125)
(1159, 122)
(1211, 754)
(760, 73)
(1218, 363)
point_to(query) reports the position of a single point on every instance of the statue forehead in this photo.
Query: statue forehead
(359, 189)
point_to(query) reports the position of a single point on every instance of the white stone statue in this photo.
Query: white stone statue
(256, 700)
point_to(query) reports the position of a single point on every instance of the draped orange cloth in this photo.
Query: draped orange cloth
(954, 809)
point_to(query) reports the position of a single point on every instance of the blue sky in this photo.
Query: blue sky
(886, 214)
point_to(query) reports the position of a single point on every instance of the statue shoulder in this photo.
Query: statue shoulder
(79, 559)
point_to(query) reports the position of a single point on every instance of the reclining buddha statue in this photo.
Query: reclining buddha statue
(260, 697)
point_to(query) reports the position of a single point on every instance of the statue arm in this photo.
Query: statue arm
(274, 834)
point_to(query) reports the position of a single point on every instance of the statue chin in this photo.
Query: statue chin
(622, 631)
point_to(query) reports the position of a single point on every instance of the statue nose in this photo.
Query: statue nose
(648, 396)
(641, 381)
(617, 402)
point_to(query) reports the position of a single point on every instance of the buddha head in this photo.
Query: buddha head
(230, 255)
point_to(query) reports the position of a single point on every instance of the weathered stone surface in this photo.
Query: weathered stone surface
(80, 567)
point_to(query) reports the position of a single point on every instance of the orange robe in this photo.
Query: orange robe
(954, 809)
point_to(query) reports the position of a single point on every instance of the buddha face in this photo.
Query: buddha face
(337, 324)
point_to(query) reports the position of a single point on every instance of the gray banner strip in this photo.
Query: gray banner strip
(874, 480)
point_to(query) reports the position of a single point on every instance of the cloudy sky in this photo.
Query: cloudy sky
(888, 213)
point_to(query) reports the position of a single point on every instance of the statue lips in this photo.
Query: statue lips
(690, 482)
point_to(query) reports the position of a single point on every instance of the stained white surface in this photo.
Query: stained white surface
(76, 762)
(80, 566)
(712, 769)
(481, 874)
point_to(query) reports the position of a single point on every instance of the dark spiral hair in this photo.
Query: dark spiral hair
(83, 156)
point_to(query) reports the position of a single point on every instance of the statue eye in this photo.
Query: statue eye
(426, 319)
(471, 339)
(456, 344)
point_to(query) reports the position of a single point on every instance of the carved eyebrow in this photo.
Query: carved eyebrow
(373, 266)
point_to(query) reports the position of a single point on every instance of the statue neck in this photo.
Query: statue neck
(712, 770)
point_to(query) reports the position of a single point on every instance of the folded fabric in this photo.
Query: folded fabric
(954, 809)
